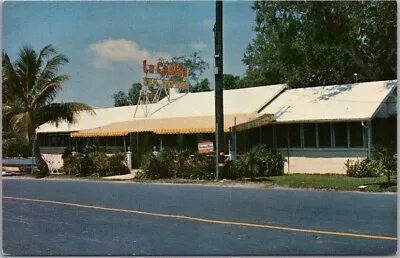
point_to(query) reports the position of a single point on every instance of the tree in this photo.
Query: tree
(29, 88)
(312, 43)
(123, 99)
(196, 66)
(231, 81)
(204, 85)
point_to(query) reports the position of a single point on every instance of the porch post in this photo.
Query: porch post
(233, 145)
(369, 138)
(125, 144)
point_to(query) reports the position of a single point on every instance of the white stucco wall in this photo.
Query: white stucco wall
(320, 161)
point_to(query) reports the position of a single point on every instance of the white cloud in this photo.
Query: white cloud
(122, 50)
(198, 46)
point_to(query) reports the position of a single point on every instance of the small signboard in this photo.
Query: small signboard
(205, 146)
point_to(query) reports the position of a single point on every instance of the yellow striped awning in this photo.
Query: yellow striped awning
(97, 133)
(257, 122)
(174, 125)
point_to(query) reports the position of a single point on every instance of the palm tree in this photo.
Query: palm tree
(30, 85)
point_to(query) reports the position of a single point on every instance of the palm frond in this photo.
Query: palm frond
(58, 112)
(49, 91)
(26, 69)
(45, 52)
(51, 69)
(10, 79)
(21, 123)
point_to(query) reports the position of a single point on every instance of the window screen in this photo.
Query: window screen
(294, 133)
(266, 135)
(356, 134)
(340, 135)
(281, 132)
(309, 136)
(324, 135)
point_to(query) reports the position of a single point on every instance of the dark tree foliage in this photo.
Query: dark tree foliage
(321, 43)
(231, 81)
(125, 99)
(196, 65)
(204, 85)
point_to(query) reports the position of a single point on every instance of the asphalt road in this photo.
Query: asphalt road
(68, 228)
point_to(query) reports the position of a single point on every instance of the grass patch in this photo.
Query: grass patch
(336, 182)
(332, 182)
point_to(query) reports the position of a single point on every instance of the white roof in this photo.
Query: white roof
(237, 101)
(358, 101)
(103, 116)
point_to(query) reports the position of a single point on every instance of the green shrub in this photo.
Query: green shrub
(149, 167)
(183, 165)
(117, 164)
(77, 165)
(259, 161)
(171, 163)
(202, 166)
(95, 163)
(100, 165)
(383, 162)
(364, 168)
(387, 157)
(15, 146)
(167, 163)
(234, 169)
(186, 164)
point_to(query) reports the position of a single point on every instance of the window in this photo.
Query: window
(294, 136)
(102, 141)
(42, 139)
(110, 141)
(65, 140)
(266, 135)
(281, 132)
(340, 134)
(119, 141)
(254, 136)
(356, 134)
(55, 140)
(324, 135)
(309, 136)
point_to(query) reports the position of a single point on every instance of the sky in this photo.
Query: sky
(106, 42)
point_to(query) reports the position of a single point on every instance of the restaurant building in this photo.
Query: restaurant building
(317, 128)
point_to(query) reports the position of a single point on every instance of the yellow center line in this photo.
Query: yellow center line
(325, 232)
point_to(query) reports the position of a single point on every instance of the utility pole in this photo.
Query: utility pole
(218, 73)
